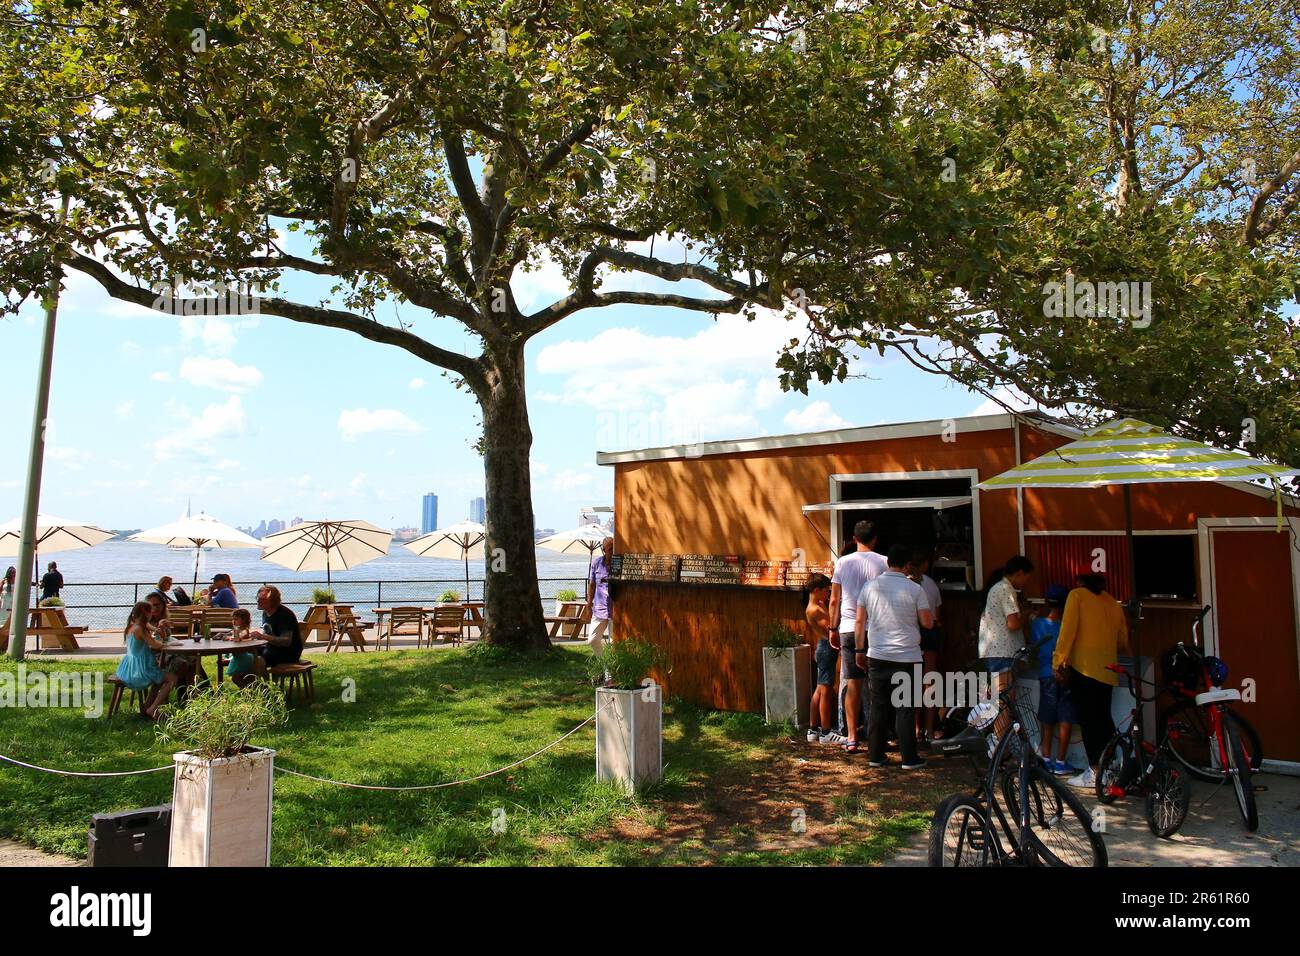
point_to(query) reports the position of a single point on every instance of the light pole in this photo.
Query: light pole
(36, 456)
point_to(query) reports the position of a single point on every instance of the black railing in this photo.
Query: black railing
(104, 606)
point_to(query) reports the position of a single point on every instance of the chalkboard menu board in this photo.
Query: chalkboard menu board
(710, 569)
(796, 575)
(644, 567)
(769, 574)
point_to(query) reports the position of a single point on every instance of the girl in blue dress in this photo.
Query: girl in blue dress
(138, 669)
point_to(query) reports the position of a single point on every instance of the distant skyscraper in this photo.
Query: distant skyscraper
(274, 526)
(429, 521)
(477, 510)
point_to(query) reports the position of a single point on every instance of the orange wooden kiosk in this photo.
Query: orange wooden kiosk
(794, 499)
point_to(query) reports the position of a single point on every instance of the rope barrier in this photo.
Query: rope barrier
(438, 786)
(75, 773)
(307, 776)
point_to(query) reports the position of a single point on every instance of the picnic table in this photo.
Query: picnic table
(571, 620)
(50, 625)
(209, 648)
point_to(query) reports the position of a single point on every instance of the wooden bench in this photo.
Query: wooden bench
(138, 698)
(571, 621)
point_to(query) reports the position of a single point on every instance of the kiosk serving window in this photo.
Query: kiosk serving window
(937, 513)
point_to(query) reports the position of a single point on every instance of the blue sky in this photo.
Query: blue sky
(256, 417)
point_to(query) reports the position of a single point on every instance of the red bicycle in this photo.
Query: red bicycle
(1213, 742)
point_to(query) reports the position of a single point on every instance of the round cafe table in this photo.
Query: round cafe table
(207, 648)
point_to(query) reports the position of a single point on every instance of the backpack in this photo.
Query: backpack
(1183, 666)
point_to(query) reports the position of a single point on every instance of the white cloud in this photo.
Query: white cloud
(216, 334)
(221, 374)
(124, 409)
(363, 421)
(1012, 398)
(202, 435)
(813, 417)
(129, 349)
(417, 383)
(540, 287)
(164, 377)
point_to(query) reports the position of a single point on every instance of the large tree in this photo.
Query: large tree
(893, 176)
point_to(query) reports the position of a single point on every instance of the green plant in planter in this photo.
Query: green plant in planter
(52, 602)
(449, 597)
(322, 596)
(217, 722)
(566, 594)
(628, 663)
(780, 634)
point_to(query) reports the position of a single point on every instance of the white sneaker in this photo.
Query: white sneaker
(831, 737)
(1087, 780)
(814, 735)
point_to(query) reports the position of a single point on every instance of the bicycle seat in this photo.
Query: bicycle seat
(1218, 694)
(969, 742)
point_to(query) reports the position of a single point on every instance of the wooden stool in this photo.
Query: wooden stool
(137, 698)
(295, 678)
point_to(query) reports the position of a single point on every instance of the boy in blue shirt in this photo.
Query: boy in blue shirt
(1055, 709)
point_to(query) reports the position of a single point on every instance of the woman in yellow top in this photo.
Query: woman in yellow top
(1094, 630)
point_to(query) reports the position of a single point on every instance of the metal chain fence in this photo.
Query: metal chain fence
(103, 607)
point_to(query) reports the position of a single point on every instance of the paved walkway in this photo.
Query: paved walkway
(1212, 836)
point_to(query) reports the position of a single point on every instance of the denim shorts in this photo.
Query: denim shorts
(1055, 705)
(849, 669)
(825, 656)
(996, 665)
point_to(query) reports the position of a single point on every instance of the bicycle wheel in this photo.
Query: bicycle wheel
(1114, 769)
(1060, 827)
(1189, 740)
(1168, 796)
(959, 833)
(1239, 768)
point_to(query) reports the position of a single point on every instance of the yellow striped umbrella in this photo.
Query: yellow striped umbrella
(1128, 451)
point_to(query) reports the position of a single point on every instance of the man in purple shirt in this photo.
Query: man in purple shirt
(598, 595)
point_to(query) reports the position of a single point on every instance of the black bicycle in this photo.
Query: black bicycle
(1020, 815)
(1130, 764)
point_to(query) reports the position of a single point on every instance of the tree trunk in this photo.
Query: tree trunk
(513, 604)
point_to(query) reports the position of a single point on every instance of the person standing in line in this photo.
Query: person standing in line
(598, 596)
(892, 611)
(1094, 630)
(6, 605)
(853, 572)
(931, 640)
(1000, 633)
(821, 722)
(51, 581)
(1055, 705)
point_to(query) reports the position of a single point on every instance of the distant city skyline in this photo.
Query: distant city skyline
(429, 513)
(478, 510)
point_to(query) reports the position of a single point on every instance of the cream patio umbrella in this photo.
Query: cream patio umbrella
(588, 537)
(321, 545)
(462, 541)
(200, 532)
(52, 535)
(1128, 452)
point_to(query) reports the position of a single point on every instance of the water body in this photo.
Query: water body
(102, 582)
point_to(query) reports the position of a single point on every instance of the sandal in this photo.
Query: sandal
(851, 747)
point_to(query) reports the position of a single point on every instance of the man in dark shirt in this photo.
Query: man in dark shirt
(52, 582)
(279, 629)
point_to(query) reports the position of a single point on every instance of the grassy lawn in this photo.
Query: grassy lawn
(733, 786)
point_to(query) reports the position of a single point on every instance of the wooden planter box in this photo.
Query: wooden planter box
(630, 736)
(787, 680)
(221, 810)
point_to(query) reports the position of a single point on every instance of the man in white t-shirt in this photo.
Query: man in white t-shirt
(892, 609)
(853, 572)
